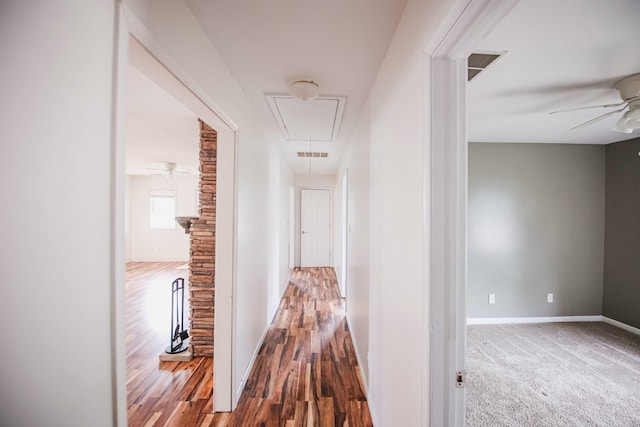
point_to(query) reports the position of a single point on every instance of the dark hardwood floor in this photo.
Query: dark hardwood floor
(305, 374)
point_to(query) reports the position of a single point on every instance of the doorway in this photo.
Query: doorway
(158, 65)
(445, 163)
(292, 227)
(315, 228)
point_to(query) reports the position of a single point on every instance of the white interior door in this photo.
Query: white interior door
(315, 228)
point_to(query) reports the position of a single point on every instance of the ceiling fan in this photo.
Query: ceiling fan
(170, 169)
(629, 89)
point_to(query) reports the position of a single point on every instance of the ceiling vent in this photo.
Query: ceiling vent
(315, 120)
(480, 61)
(312, 154)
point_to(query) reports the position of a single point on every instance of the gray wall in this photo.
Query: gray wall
(536, 226)
(622, 242)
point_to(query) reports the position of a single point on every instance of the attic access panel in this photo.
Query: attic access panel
(315, 120)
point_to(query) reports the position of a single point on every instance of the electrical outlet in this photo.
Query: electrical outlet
(549, 297)
(492, 298)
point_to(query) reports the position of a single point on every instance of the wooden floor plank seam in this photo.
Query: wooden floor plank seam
(305, 374)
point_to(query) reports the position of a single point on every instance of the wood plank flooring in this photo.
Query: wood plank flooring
(305, 374)
(160, 393)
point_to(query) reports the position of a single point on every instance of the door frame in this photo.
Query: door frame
(128, 25)
(292, 227)
(331, 217)
(445, 195)
(344, 232)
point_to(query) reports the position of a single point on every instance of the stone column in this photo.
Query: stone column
(202, 251)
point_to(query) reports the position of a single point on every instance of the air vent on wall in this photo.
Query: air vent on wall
(312, 154)
(479, 61)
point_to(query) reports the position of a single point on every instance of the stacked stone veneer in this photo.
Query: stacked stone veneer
(202, 251)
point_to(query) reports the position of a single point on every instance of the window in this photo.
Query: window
(162, 212)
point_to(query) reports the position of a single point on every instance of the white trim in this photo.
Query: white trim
(117, 252)
(292, 226)
(225, 260)
(444, 229)
(344, 234)
(235, 397)
(621, 325)
(365, 382)
(448, 239)
(145, 37)
(226, 223)
(518, 320)
(272, 316)
(554, 319)
(358, 358)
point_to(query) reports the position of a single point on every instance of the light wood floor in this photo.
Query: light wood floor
(305, 374)
(160, 393)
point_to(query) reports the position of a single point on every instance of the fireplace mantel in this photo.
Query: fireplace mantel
(185, 222)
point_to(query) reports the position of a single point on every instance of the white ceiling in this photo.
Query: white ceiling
(268, 44)
(158, 128)
(561, 54)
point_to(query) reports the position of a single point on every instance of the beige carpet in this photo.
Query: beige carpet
(553, 374)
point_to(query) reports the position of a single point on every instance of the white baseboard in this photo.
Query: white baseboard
(555, 319)
(513, 320)
(621, 325)
(247, 371)
(365, 381)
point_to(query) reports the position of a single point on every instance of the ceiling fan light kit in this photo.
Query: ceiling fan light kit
(632, 117)
(171, 169)
(621, 126)
(304, 89)
(629, 120)
(629, 90)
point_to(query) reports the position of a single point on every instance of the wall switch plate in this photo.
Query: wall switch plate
(549, 297)
(492, 298)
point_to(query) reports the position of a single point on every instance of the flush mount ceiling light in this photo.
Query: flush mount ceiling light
(304, 89)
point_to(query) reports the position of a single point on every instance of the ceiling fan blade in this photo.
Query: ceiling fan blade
(597, 119)
(590, 107)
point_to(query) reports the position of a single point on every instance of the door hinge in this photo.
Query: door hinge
(461, 378)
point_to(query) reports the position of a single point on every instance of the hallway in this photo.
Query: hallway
(306, 373)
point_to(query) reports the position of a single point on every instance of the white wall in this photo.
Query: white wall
(160, 245)
(315, 181)
(278, 244)
(262, 175)
(394, 133)
(356, 157)
(56, 225)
